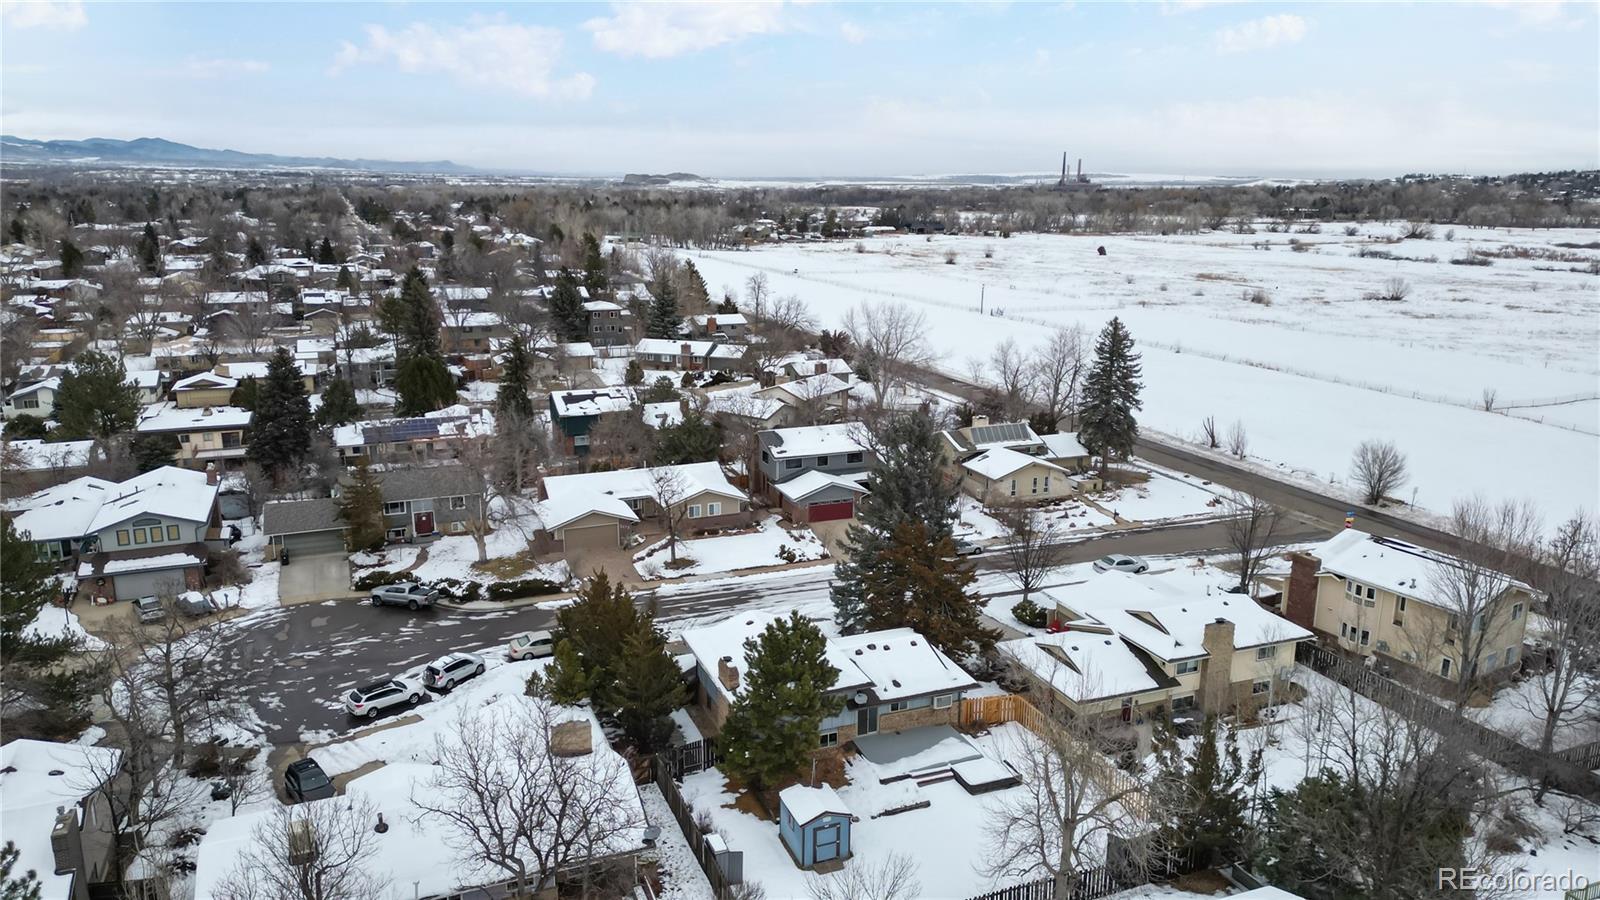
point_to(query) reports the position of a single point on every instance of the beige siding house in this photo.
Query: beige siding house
(1001, 476)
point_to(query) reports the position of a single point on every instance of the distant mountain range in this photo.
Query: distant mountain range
(159, 151)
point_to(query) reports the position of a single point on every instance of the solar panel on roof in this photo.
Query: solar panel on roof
(994, 434)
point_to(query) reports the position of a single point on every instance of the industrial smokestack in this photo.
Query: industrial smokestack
(1063, 167)
(1080, 168)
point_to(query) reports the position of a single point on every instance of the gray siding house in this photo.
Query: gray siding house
(785, 454)
(420, 503)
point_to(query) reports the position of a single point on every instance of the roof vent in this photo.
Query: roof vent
(56, 772)
(895, 682)
(1074, 646)
(858, 651)
(1108, 643)
(872, 646)
(913, 643)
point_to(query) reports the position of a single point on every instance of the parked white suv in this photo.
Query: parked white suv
(451, 669)
(370, 699)
(530, 645)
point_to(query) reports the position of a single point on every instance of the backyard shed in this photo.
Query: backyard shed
(814, 824)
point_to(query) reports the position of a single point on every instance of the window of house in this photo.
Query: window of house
(822, 460)
(122, 538)
(1047, 484)
(1267, 652)
(1034, 489)
(713, 509)
(1186, 666)
(28, 403)
(1511, 656)
(828, 739)
(172, 532)
(183, 439)
(1344, 630)
(1013, 487)
(1183, 704)
(394, 509)
(897, 705)
(1492, 661)
(139, 536)
(397, 534)
(1477, 622)
(694, 510)
(1516, 611)
(943, 701)
(1444, 667)
(458, 503)
(1366, 637)
(765, 456)
(852, 457)
(1260, 687)
(791, 464)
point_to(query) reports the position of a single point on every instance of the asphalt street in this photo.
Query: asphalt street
(302, 658)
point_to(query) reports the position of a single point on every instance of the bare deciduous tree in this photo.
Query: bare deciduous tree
(313, 851)
(892, 878)
(1058, 372)
(1208, 432)
(1379, 469)
(1252, 529)
(511, 798)
(1033, 545)
(669, 490)
(1238, 441)
(891, 342)
(1566, 679)
(1489, 396)
(1011, 374)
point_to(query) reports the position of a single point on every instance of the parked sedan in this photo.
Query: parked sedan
(406, 593)
(451, 669)
(304, 780)
(530, 645)
(149, 609)
(370, 699)
(1118, 562)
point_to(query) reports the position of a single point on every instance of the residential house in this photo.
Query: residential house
(37, 399)
(574, 414)
(610, 324)
(599, 510)
(802, 365)
(371, 367)
(205, 435)
(56, 519)
(429, 437)
(239, 371)
(148, 383)
(689, 356)
(728, 326)
(1062, 449)
(1132, 647)
(203, 390)
(739, 407)
(60, 823)
(823, 466)
(812, 400)
(888, 681)
(33, 464)
(420, 504)
(472, 331)
(1389, 600)
(1003, 475)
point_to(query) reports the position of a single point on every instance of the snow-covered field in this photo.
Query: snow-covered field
(731, 552)
(1309, 376)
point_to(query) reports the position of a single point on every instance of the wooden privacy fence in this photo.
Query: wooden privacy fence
(1091, 884)
(721, 888)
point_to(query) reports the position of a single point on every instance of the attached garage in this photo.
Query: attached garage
(143, 576)
(166, 582)
(313, 543)
(580, 538)
(819, 497)
(303, 527)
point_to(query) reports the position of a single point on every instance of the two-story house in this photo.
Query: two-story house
(888, 681)
(574, 413)
(1132, 647)
(208, 434)
(37, 399)
(204, 389)
(728, 326)
(417, 439)
(610, 324)
(420, 504)
(1385, 598)
(1062, 449)
(812, 400)
(814, 473)
(58, 819)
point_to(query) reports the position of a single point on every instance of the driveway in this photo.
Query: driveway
(308, 579)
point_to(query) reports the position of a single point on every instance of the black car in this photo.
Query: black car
(305, 780)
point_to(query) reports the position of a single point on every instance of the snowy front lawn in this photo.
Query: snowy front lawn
(1517, 711)
(455, 556)
(1167, 495)
(977, 524)
(733, 552)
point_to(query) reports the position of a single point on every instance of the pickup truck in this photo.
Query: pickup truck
(406, 593)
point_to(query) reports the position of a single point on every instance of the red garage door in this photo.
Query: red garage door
(828, 512)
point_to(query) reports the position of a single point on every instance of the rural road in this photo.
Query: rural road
(301, 658)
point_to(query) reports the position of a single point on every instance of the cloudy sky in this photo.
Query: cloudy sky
(1197, 87)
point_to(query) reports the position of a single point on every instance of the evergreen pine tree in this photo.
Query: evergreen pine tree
(513, 399)
(695, 439)
(728, 304)
(648, 687)
(783, 697)
(664, 318)
(28, 587)
(346, 281)
(149, 250)
(564, 681)
(325, 254)
(281, 427)
(633, 375)
(594, 267)
(1106, 425)
(908, 486)
(422, 384)
(95, 399)
(71, 260)
(18, 230)
(152, 451)
(566, 308)
(918, 582)
(1205, 793)
(23, 886)
(26, 427)
(339, 405)
(247, 394)
(361, 507)
(34, 676)
(695, 296)
(413, 317)
(597, 623)
(255, 254)
(305, 249)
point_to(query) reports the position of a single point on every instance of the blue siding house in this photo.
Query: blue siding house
(814, 824)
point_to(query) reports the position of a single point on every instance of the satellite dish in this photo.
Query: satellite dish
(861, 698)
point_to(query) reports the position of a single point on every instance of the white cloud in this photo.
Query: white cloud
(1171, 7)
(663, 30)
(1259, 34)
(1533, 12)
(68, 14)
(852, 32)
(486, 53)
(222, 67)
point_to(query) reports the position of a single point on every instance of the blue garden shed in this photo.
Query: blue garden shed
(814, 824)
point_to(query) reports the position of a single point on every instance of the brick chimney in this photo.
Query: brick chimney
(711, 324)
(572, 738)
(979, 421)
(819, 368)
(211, 473)
(728, 673)
(1300, 595)
(1216, 678)
(66, 841)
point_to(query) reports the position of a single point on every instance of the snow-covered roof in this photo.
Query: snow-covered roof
(571, 506)
(811, 387)
(591, 401)
(696, 349)
(815, 440)
(720, 318)
(1063, 445)
(1166, 619)
(169, 491)
(667, 412)
(37, 777)
(206, 381)
(602, 306)
(62, 512)
(157, 563)
(49, 384)
(1002, 461)
(1083, 665)
(34, 455)
(577, 349)
(452, 421)
(743, 402)
(806, 804)
(1391, 564)
(164, 417)
(637, 484)
(803, 486)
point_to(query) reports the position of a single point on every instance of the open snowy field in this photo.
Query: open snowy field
(1311, 375)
